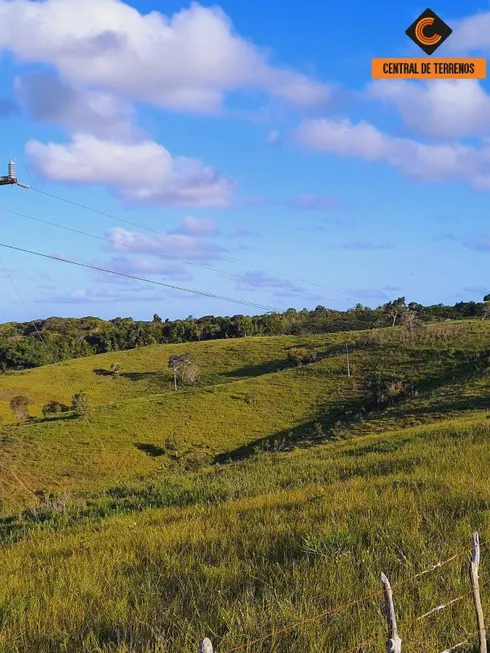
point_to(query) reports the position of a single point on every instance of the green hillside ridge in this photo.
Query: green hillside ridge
(240, 404)
(263, 495)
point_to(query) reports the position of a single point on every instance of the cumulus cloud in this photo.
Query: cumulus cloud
(48, 98)
(191, 226)
(166, 245)
(140, 171)
(471, 33)
(421, 161)
(314, 202)
(446, 108)
(188, 61)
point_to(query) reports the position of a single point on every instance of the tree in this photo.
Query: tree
(179, 364)
(19, 406)
(80, 404)
(486, 310)
(410, 321)
(157, 319)
(394, 308)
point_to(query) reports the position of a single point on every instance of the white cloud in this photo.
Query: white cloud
(188, 61)
(440, 108)
(421, 161)
(48, 98)
(471, 33)
(191, 226)
(166, 245)
(140, 171)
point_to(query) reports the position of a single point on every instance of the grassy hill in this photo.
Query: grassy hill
(264, 495)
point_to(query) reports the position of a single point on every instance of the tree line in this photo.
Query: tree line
(41, 342)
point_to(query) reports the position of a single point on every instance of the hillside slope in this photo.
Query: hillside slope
(241, 403)
(242, 551)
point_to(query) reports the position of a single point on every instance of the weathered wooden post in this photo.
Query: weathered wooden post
(394, 643)
(205, 646)
(475, 588)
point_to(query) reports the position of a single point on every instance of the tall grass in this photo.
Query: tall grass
(244, 550)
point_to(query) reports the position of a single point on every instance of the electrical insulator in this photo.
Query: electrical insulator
(12, 169)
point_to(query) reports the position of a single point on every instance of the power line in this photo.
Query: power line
(194, 245)
(135, 278)
(167, 257)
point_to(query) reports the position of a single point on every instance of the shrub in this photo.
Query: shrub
(251, 399)
(190, 373)
(54, 408)
(115, 369)
(80, 404)
(19, 406)
(301, 356)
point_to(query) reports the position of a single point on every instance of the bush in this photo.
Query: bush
(115, 369)
(19, 406)
(190, 373)
(385, 390)
(54, 408)
(80, 404)
(301, 356)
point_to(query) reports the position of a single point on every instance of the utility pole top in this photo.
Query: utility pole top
(11, 179)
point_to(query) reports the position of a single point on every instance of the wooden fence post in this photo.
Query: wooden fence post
(394, 643)
(205, 646)
(475, 588)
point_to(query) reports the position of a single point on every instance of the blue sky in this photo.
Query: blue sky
(254, 137)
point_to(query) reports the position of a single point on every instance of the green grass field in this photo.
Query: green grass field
(263, 496)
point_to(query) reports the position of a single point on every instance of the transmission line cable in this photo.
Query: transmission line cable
(173, 258)
(194, 245)
(143, 279)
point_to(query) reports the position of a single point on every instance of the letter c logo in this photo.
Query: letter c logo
(419, 32)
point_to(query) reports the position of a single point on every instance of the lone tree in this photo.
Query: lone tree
(486, 307)
(79, 404)
(179, 365)
(395, 308)
(410, 321)
(19, 407)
